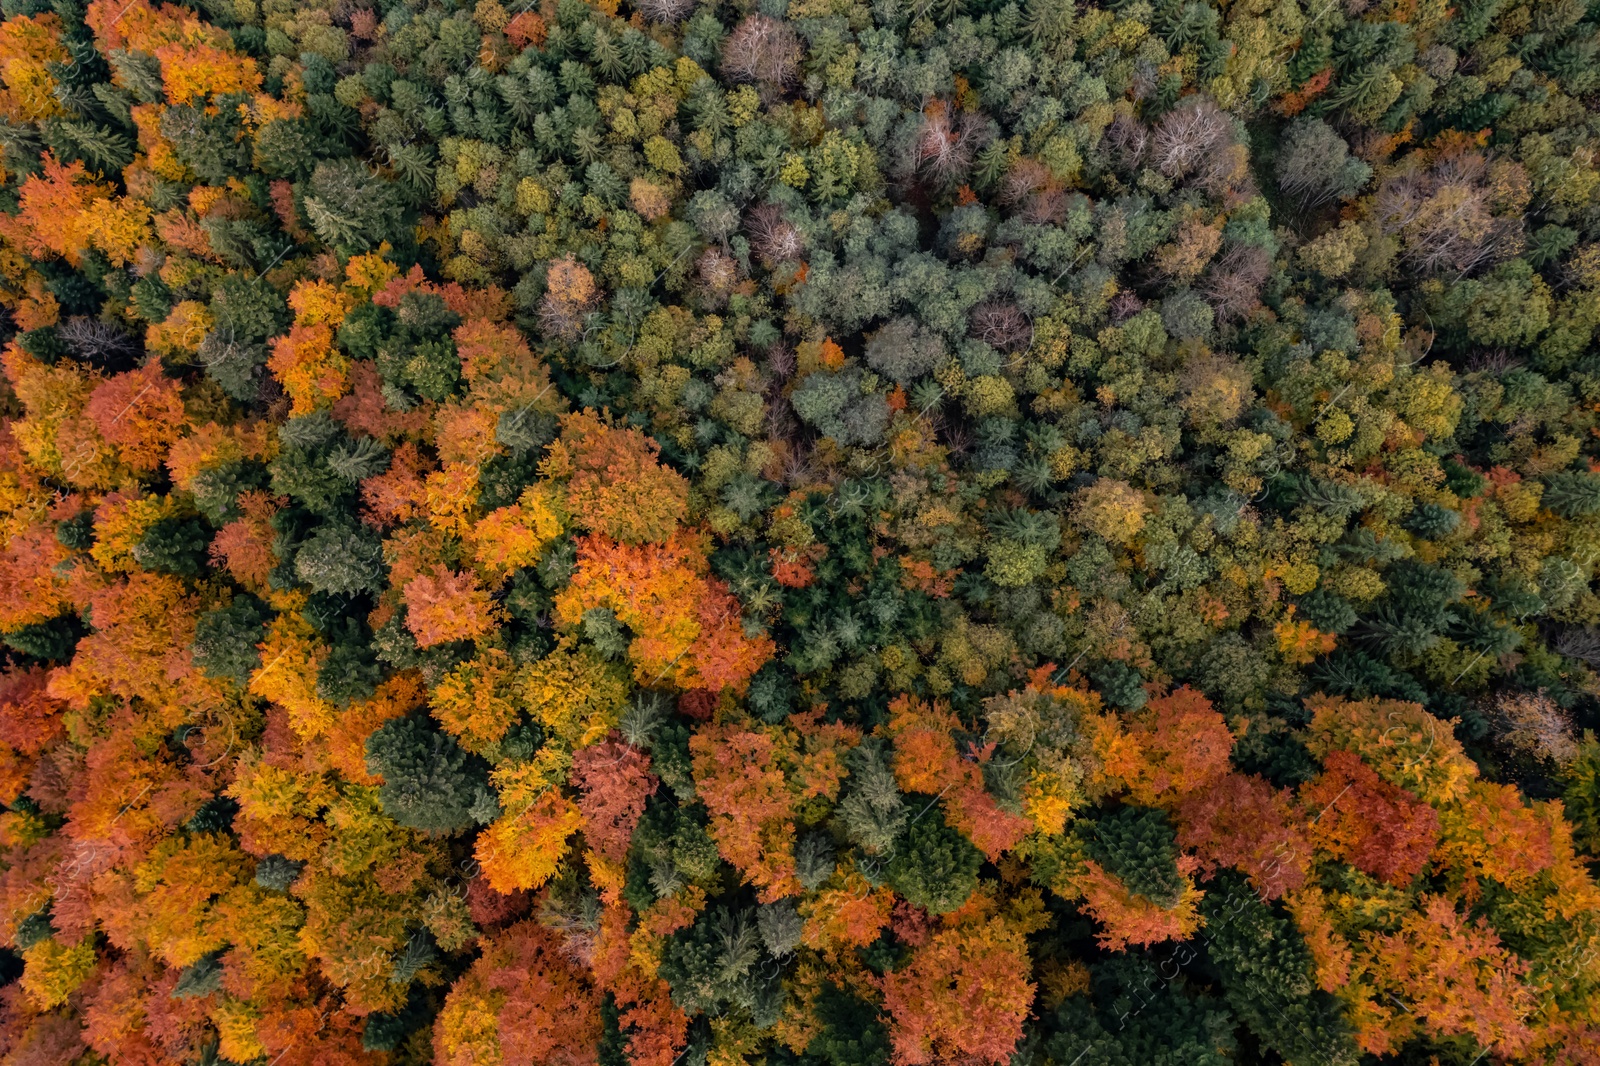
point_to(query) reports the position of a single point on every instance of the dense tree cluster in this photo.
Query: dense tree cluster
(799, 532)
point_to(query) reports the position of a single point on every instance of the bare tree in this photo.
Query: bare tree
(1444, 217)
(1195, 141)
(772, 237)
(1128, 140)
(1001, 324)
(1187, 134)
(718, 273)
(95, 341)
(1124, 305)
(1023, 178)
(664, 12)
(946, 143)
(764, 50)
(1233, 283)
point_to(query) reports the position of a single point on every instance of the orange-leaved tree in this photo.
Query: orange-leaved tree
(686, 623)
(1173, 746)
(1356, 816)
(616, 485)
(965, 993)
(740, 779)
(522, 1001)
(926, 760)
(613, 779)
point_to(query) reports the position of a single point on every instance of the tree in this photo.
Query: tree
(57, 209)
(522, 1001)
(30, 720)
(521, 850)
(352, 208)
(476, 701)
(1442, 212)
(617, 486)
(1376, 827)
(340, 559)
(516, 536)
(1112, 509)
(1573, 494)
(933, 866)
(613, 781)
(710, 965)
(902, 350)
(244, 546)
(762, 49)
(570, 294)
(310, 369)
(1456, 978)
(840, 408)
(1265, 972)
(964, 993)
(1175, 745)
(739, 779)
(656, 1030)
(1241, 821)
(141, 413)
(443, 606)
(29, 46)
(926, 760)
(1194, 140)
(1164, 1022)
(1138, 847)
(686, 624)
(1129, 917)
(1315, 165)
(226, 639)
(429, 782)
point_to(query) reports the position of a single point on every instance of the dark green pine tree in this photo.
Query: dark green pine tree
(934, 866)
(351, 670)
(1138, 846)
(340, 557)
(174, 546)
(1265, 970)
(1573, 493)
(716, 965)
(52, 641)
(1143, 1012)
(225, 639)
(429, 782)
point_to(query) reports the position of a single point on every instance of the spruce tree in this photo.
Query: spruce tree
(225, 639)
(429, 782)
(934, 866)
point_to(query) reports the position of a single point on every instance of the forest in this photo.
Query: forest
(799, 533)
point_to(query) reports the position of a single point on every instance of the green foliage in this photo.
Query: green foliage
(714, 965)
(225, 639)
(934, 866)
(351, 670)
(276, 873)
(353, 208)
(429, 782)
(1265, 971)
(340, 559)
(873, 812)
(1137, 845)
(1143, 1011)
(174, 546)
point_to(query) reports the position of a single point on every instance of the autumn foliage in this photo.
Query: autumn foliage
(963, 995)
(655, 533)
